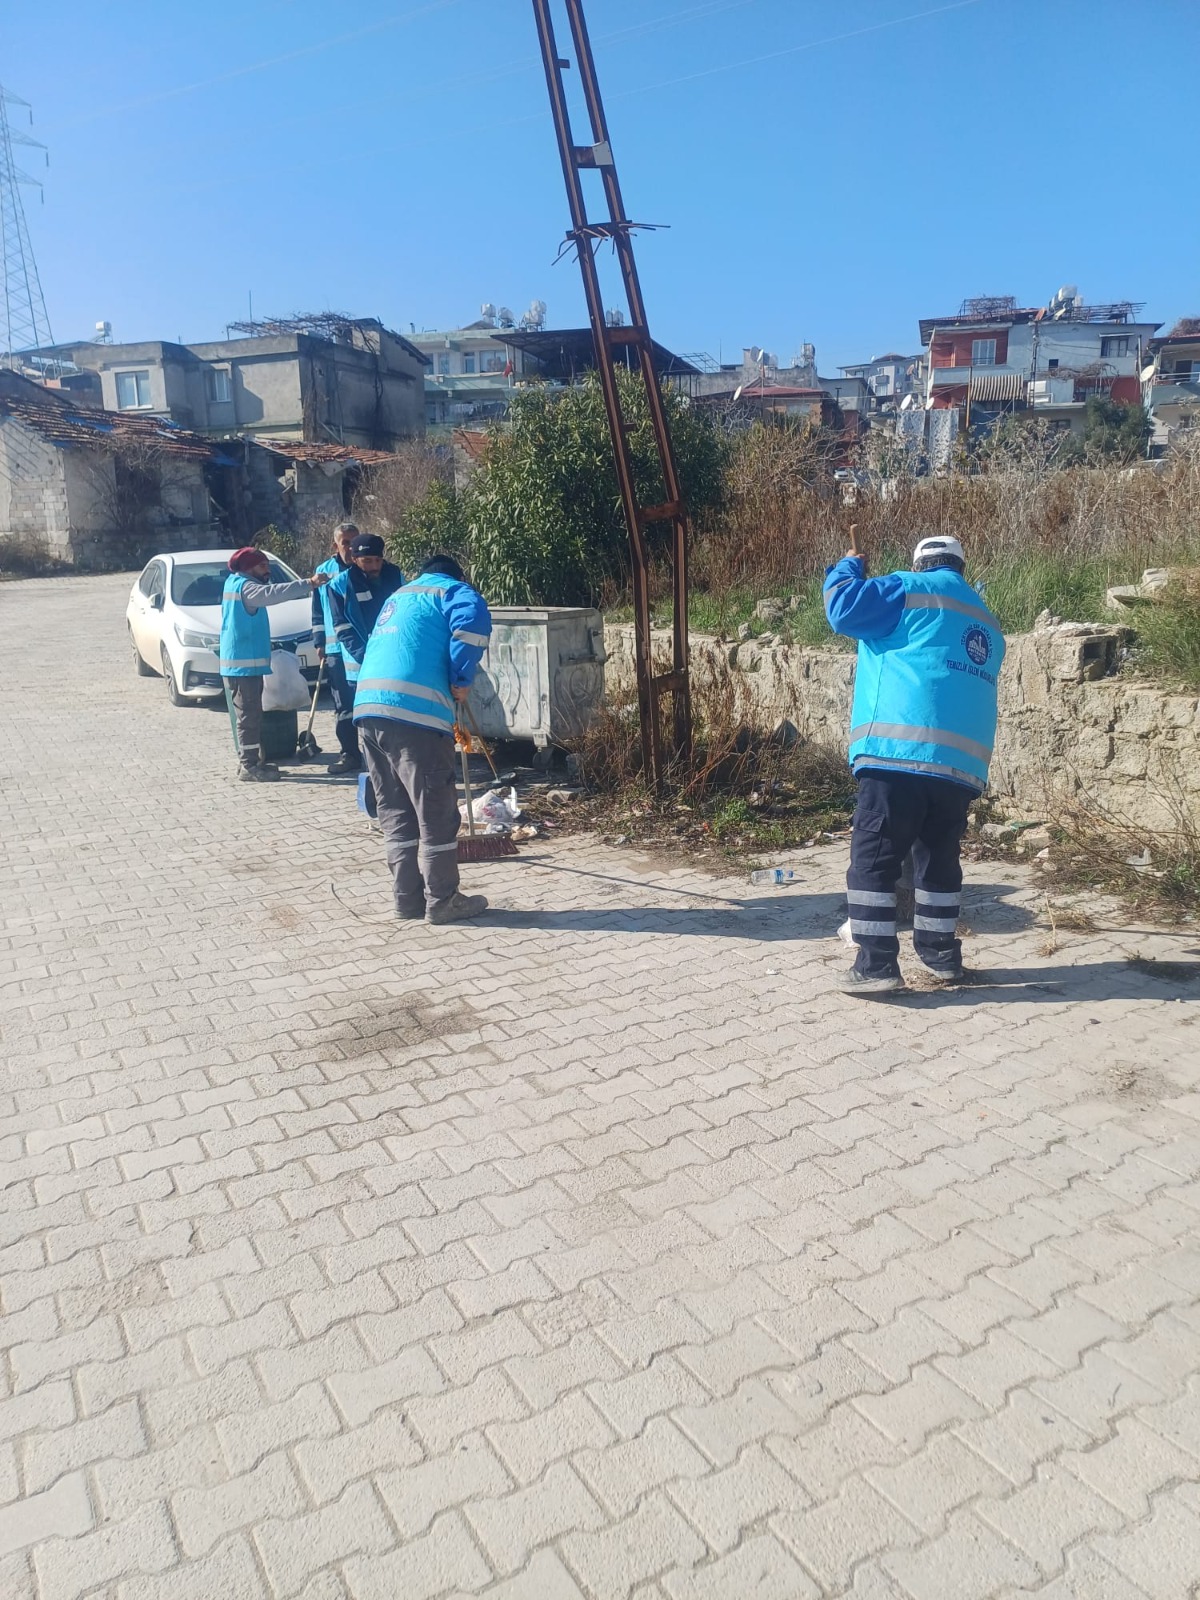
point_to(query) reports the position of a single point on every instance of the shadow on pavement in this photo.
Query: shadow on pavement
(1088, 980)
(771, 920)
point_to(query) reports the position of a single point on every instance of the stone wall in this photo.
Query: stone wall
(1068, 725)
(33, 490)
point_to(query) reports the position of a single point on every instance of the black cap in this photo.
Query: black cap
(367, 544)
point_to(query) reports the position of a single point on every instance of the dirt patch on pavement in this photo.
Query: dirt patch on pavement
(370, 1024)
(1134, 1084)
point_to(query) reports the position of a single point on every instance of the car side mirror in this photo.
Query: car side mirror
(156, 602)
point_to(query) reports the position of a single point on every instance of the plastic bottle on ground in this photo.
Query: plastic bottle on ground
(774, 875)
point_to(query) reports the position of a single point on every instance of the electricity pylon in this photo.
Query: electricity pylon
(25, 325)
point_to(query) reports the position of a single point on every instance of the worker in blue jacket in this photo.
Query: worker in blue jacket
(246, 649)
(356, 597)
(328, 649)
(419, 662)
(921, 735)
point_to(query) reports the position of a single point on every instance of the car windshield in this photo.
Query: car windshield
(202, 583)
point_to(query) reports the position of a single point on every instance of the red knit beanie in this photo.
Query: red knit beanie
(245, 559)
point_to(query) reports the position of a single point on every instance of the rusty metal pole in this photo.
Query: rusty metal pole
(673, 506)
(585, 235)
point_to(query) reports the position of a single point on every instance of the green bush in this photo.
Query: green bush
(434, 523)
(541, 523)
(282, 542)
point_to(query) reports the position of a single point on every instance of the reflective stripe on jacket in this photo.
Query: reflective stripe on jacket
(323, 625)
(355, 601)
(245, 635)
(929, 655)
(428, 640)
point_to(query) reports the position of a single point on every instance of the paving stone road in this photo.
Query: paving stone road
(599, 1249)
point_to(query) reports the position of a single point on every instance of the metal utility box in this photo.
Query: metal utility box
(542, 677)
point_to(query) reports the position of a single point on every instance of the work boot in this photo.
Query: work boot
(413, 912)
(954, 973)
(458, 908)
(259, 773)
(345, 764)
(856, 982)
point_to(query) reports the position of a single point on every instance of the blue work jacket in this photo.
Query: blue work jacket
(929, 655)
(429, 639)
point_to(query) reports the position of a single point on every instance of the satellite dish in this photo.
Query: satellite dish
(737, 394)
(1147, 373)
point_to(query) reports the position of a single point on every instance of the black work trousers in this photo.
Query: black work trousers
(341, 691)
(898, 812)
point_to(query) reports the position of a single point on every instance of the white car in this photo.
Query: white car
(174, 618)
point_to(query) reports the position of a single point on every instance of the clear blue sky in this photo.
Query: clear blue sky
(830, 170)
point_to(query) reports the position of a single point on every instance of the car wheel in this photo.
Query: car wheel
(168, 672)
(139, 666)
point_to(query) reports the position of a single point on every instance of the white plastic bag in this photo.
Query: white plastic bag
(494, 812)
(285, 688)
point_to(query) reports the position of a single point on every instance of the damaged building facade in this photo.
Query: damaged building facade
(276, 427)
(319, 379)
(93, 489)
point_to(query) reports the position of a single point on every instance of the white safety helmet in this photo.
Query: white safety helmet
(938, 552)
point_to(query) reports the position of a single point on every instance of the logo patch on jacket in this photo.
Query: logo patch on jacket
(977, 645)
(388, 612)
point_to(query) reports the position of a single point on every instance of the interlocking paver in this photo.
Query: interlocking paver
(967, 1562)
(760, 1566)
(293, 1550)
(831, 1539)
(510, 1528)
(597, 1249)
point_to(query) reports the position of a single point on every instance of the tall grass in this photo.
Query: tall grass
(1038, 536)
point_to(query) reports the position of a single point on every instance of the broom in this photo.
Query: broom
(479, 847)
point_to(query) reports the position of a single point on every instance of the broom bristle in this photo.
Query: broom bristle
(486, 847)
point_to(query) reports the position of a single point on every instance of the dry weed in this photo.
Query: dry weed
(1156, 871)
(745, 790)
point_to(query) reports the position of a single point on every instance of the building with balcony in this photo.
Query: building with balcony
(474, 371)
(889, 378)
(470, 377)
(994, 357)
(1171, 382)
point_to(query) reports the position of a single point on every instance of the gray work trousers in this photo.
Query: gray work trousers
(412, 773)
(247, 697)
